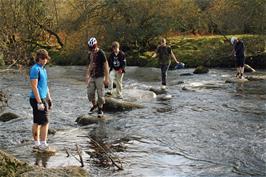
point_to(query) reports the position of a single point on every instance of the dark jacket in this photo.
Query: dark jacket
(239, 49)
(117, 62)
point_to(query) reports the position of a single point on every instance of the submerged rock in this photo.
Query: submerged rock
(12, 167)
(186, 74)
(87, 120)
(201, 70)
(235, 80)
(255, 78)
(8, 116)
(158, 91)
(51, 131)
(115, 105)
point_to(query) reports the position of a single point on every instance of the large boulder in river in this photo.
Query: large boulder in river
(12, 167)
(201, 70)
(8, 116)
(116, 105)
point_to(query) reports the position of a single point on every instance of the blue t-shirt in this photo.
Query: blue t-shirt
(39, 73)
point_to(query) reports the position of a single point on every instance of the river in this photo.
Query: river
(208, 128)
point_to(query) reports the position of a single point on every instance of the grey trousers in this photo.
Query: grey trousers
(164, 69)
(96, 85)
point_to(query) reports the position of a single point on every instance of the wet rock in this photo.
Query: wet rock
(186, 74)
(255, 78)
(188, 89)
(164, 97)
(8, 116)
(235, 80)
(201, 70)
(51, 131)
(87, 120)
(3, 100)
(71, 171)
(116, 105)
(158, 91)
(249, 69)
(10, 166)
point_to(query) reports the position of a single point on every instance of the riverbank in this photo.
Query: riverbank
(207, 50)
(210, 51)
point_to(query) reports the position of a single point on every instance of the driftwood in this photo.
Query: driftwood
(107, 154)
(120, 167)
(79, 152)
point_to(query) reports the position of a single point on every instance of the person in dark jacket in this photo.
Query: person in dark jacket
(117, 63)
(239, 53)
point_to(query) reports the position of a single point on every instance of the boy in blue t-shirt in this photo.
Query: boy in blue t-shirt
(40, 100)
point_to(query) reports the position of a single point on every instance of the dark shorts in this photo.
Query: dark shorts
(39, 117)
(240, 61)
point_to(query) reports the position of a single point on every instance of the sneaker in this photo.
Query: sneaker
(44, 148)
(93, 109)
(100, 112)
(35, 147)
(163, 87)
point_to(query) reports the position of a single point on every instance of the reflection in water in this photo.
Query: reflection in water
(41, 159)
(240, 88)
(102, 151)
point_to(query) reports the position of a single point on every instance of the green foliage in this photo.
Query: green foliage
(212, 51)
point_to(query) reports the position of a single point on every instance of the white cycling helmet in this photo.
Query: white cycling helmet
(233, 39)
(92, 41)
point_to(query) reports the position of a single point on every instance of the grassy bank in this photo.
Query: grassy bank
(212, 51)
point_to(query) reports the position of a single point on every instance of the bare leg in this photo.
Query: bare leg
(44, 132)
(242, 70)
(35, 132)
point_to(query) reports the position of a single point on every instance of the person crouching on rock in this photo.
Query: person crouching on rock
(40, 100)
(117, 63)
(97, 76)
(239, 50)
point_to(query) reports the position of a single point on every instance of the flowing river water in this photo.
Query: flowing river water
(207, 128)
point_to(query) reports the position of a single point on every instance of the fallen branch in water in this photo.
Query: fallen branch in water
(119, 166)
(80, 159)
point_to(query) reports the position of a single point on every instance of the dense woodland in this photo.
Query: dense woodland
(64, 26)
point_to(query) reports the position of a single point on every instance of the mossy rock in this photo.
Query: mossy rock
(8, 116)
(201, 70)
(12, 167)
(71, 171)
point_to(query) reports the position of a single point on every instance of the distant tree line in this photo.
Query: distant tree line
(63, 27)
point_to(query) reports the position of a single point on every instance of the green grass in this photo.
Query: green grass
(212, 51)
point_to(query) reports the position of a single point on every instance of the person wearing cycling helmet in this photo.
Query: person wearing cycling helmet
(164, 53)
(97, 76)
(239, 53)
